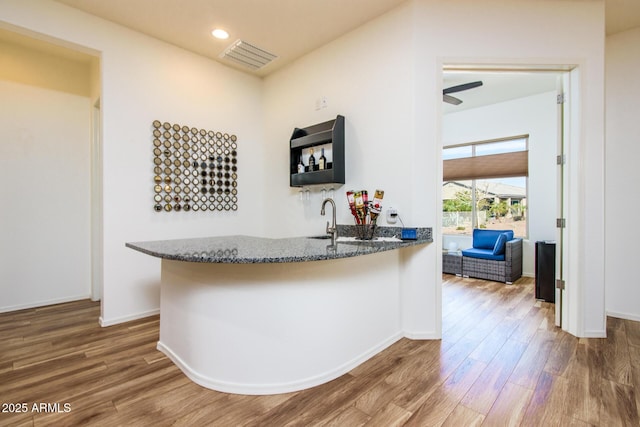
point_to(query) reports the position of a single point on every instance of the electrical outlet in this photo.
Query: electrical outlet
(392, 215)
(321, 103)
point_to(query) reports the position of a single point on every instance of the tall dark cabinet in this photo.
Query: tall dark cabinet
(545, 269)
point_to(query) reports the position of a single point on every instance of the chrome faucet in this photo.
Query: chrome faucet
(333, 230)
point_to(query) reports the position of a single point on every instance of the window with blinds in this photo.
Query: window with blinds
(485, 186)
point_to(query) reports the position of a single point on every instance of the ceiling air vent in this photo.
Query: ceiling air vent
(248, 55)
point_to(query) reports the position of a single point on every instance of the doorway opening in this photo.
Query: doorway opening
(503, 103)
(47, 241)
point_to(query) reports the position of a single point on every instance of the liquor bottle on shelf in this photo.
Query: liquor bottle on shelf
(322, 162)
(312, 160)
(300, 165)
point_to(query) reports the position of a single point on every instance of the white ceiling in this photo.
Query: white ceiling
(621, 15)
(286, 28)
(292, 28)
(497, 86)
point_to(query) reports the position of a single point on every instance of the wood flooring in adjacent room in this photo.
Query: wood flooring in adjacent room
(501, 362)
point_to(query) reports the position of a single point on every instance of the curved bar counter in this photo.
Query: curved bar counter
(248, 315)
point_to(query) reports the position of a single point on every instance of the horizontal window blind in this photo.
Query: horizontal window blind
(484, 167)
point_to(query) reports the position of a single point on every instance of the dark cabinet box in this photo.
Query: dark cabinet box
(545, 268)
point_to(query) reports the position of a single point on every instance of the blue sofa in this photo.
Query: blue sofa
(495, 255)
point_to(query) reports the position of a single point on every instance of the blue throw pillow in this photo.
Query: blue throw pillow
(484, 239)
(501, 242)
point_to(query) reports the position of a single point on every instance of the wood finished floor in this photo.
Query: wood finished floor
(500, 362)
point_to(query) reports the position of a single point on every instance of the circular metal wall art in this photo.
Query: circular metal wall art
(199, 152)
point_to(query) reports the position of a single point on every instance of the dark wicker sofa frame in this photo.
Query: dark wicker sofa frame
(507, 271)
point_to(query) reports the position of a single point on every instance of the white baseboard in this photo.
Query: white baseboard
(625, 316)
(422, 335)
(43, 303)
(265, 389)
(594, 334)
(110, 322)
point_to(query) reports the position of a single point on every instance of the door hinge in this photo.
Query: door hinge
(561, 159)
(560, 284)
(561, 222)
(561, 98)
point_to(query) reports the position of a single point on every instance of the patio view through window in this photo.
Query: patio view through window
(485, 186)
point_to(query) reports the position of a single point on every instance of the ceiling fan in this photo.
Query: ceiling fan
(459, 88)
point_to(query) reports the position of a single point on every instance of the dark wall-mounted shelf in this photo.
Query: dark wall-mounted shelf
(329, 134)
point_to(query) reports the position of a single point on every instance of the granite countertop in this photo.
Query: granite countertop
(249, 250)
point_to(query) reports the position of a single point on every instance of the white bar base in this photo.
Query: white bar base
(277, 328)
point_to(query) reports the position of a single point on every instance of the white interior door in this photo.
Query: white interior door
(567, 137)
(563, 99)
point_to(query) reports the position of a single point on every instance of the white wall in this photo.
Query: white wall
(495, 32)
(373, 89)
(34, 67)
(623, 174)
(45, 175)
(44, 164)
(378, 130)
(385, 77)
(533, 115)
(144, 79)
(394, 135)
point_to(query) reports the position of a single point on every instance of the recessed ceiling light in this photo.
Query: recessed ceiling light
(220, 34)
